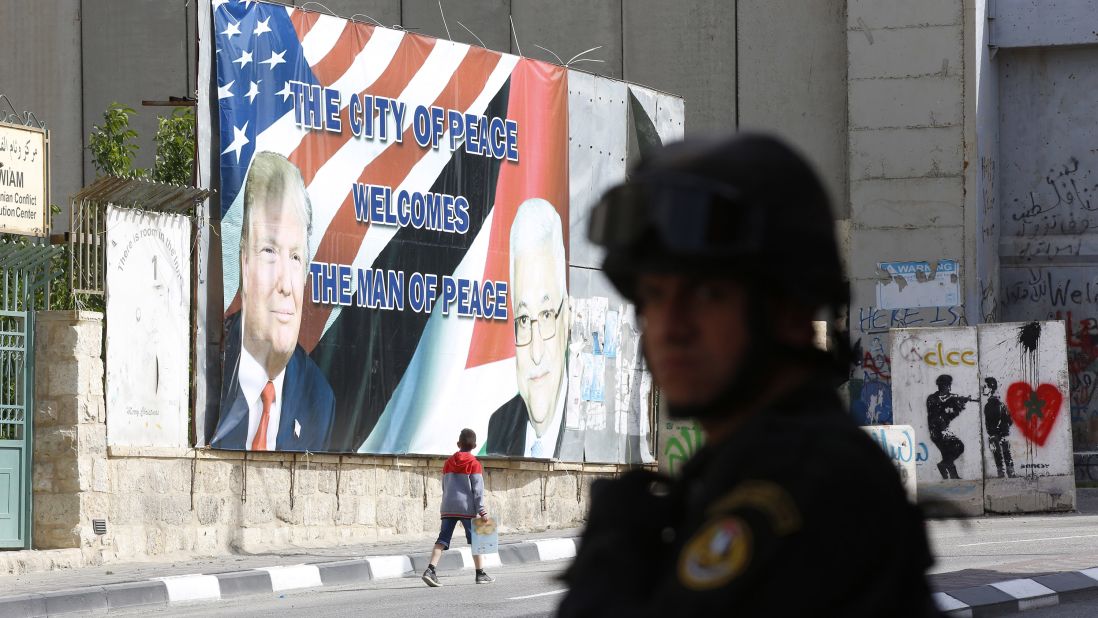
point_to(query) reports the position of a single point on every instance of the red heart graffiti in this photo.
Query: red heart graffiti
(1034, 412)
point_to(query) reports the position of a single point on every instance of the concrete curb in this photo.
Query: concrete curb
(267, 580)
(1018, 595)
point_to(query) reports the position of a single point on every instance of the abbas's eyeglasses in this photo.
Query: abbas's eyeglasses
(546, 321)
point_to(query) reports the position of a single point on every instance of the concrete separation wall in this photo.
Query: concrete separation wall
(1027, 417)
(168, 501)
(935, 389)
(989, 406)
(898, 441)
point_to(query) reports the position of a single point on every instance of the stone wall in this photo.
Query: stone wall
(168, 501)
(70, 437)
(211, 502)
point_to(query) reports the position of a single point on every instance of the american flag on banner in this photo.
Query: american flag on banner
(403, 381)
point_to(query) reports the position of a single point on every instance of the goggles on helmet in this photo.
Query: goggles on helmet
(690, 215)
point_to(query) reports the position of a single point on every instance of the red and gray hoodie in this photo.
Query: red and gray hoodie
(462, 486)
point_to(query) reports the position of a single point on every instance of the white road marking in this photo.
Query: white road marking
(293, 576)
(1023, 588)
(182, 588)
(555, 549)
(1047, 538)
(540, 594)
(388, 567)
(489, 560)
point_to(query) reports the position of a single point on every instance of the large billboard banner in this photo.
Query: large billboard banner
(395, 233)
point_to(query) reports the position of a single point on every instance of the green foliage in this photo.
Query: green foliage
(112, 143)
(175, 147)
(113, 146)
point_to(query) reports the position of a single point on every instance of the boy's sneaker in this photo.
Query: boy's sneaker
(484, 578)
(431, 578)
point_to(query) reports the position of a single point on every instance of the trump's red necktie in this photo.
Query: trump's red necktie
(259, 443)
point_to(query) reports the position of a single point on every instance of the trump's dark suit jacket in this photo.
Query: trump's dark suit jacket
(306, 398)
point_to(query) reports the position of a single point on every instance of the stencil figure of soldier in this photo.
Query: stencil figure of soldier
(997, 421)
(942, 407)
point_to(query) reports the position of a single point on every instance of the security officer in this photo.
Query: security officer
(728, 251)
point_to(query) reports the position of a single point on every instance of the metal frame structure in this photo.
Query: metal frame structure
(87, 250)
(24, 272)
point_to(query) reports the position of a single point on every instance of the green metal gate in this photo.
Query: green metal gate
(24, 275)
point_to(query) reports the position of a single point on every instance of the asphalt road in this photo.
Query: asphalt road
(525, 590)
(1006, 547)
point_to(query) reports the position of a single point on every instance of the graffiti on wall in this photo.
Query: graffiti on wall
(870, 384)
(681, 439)
(942, 407)
(1065, 293)
(898, 442)
(988, 249)
(1050, 225)
(935, 385)
(1025, 437)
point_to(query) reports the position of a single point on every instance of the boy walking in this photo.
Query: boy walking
(462, 499)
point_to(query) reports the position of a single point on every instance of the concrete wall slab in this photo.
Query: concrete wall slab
(908, 202)
(144, 46)
(905, 52)
(1026, 413)
(486, 18)
(905, 153)
(910, 102)
(385, 11)
(1043, 23)
(686, 48)
(936, 390)
(568, 27)
(901, 13)
(898, 442)
(799, 93)
(43, 76)
(877, 245)
(1046, 178)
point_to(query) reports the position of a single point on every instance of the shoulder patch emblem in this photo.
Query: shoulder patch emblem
(766, 497)
(716, 555)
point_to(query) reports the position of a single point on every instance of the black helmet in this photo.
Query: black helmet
(748, 206)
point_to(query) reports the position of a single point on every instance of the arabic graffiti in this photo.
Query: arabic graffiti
(1069, 186)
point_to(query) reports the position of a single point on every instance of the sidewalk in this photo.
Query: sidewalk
(127, 585)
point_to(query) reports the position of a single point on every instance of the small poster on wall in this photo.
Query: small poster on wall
(148, 324)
